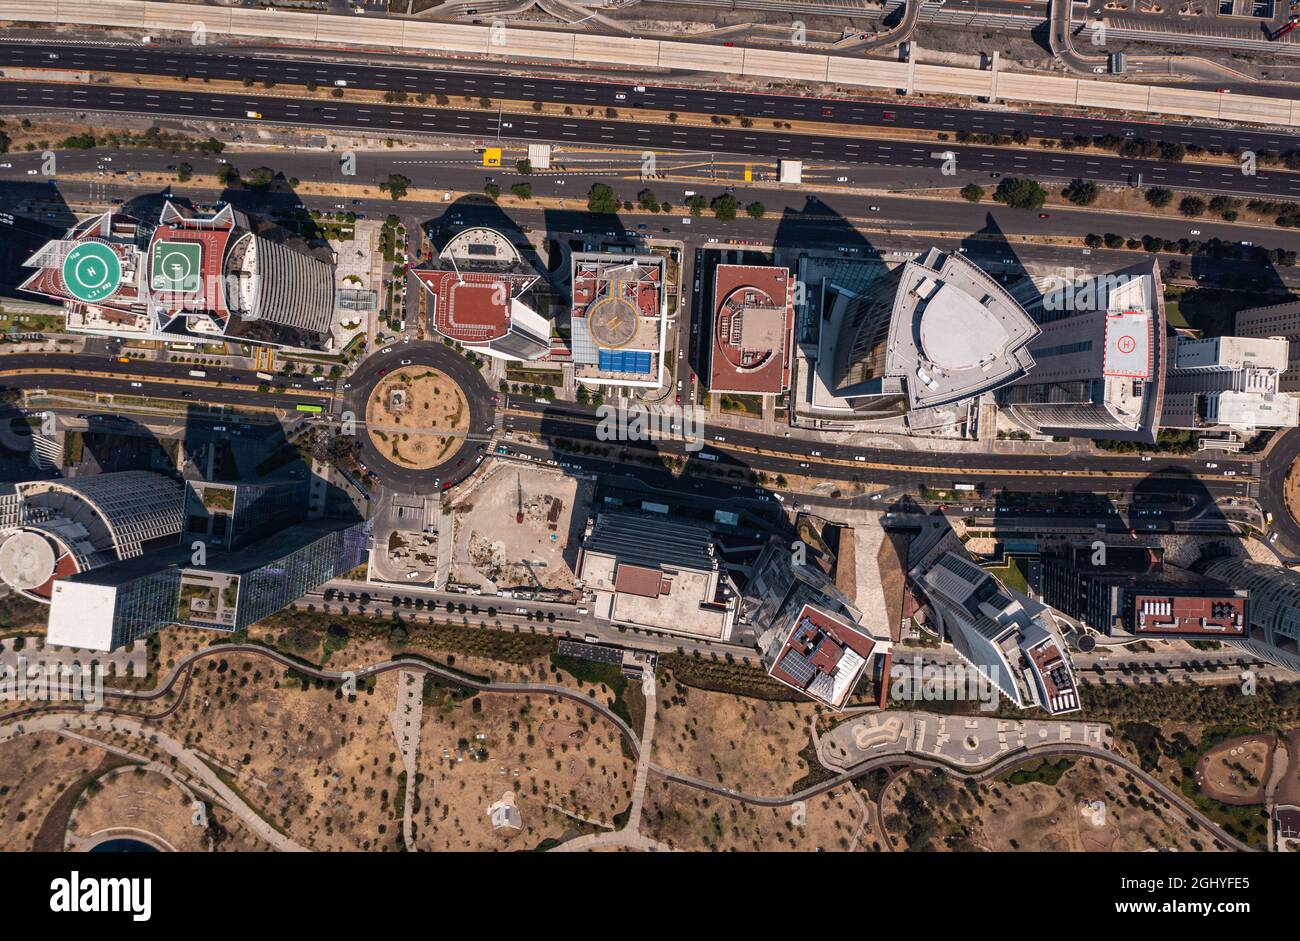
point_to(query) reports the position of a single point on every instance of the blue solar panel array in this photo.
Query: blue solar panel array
(634, 361)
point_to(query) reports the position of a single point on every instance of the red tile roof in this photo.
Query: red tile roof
(734, 366)
(471, 307)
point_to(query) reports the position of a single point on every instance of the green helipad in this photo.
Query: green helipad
(176, 266)
(91, 271)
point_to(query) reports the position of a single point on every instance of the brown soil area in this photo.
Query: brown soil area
(407, 406)
(550, 753)
(1236, 771)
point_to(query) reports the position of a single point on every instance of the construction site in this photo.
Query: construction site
(513, 530)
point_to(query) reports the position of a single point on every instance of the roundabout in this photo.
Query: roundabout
(423, 414)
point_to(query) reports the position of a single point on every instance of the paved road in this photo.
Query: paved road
(452, 80)
(755, 141)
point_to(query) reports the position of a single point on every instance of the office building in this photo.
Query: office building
(1276, 320)
(188, 276)
(1010, 639)
(924, 340)
(619, 321)
(1099, 360)
(476, 291)
(1274, 593)
(1228, 382)
(810, 635)
(113, 605)
(53, 529)
(753, 322)
(650, 571)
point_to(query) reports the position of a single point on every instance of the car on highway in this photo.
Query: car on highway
(1042, 215)
(406, 362)
(1211, 466)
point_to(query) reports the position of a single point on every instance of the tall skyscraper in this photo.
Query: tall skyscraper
(53, 529)
(1274, 607)
(1008, 638)
(1099, 360)
(810, 634)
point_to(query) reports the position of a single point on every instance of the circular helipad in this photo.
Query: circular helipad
(26, 560)
(612, 321)
(92, 271)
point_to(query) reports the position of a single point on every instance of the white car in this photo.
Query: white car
(841, 179)
(875, 496)
(1212, 466)
(1146, 457)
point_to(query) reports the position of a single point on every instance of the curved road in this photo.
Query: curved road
(435, 356)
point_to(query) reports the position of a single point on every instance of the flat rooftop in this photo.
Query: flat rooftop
(823, 656)
(1210, 615)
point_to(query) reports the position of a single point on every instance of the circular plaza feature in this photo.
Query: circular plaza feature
(417, 416)
(91, 271)
(382, 416)
(26, 560)
(613, 322)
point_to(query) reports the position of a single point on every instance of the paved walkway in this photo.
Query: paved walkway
(65, 723)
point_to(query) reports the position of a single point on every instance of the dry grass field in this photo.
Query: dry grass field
(1079, 807)
(405, 410)
(564, 764)
(1236, 771)
(749, 744)
(689, 819)
(318, 765)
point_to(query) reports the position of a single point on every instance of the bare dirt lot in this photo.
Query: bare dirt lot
(35, 771)
(491, 547)
(316, 764)
(564, 765)
(1236, 771)
(128, 800)
(752, 745)
(406, 406)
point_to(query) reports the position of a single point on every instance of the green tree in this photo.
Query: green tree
(396, 185)
(1020, 193)
(972, 192)
(601, 199)
(696, 204)
(522, 190)
(724, 207)
(1159, 197)
(756, 210)
(228, 174)
(647, 200)
(1191, 206)
(184, 172)
(1082, 192)
(260, 178)
(524, 166)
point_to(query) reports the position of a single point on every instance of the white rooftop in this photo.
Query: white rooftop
(81, 615)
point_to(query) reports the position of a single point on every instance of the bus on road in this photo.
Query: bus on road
(309, 408)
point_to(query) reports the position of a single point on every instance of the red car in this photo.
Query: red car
(679, 400)
(1042, 215)
(382, 371)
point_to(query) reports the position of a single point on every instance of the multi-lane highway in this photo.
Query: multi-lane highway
(769, 143)
(216, 63)
(762, 138)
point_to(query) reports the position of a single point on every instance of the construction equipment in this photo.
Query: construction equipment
(519, 485)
